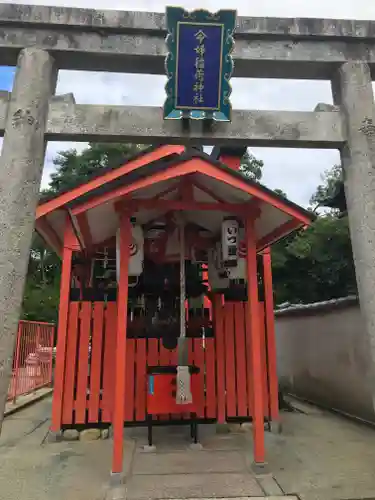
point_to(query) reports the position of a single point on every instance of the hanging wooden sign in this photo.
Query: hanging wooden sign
(199, 64)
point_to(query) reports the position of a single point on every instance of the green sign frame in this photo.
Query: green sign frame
(218, 28)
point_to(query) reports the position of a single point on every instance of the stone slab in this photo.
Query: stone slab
(273, 497)
(300, 129)
(269, 485)
(318, 457)
(189, 462)
(254, 58)
(154, 22)
(226, 442)
(144, 487)
(108, 40)
(303, 406)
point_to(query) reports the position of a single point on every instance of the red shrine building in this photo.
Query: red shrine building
(166, 303)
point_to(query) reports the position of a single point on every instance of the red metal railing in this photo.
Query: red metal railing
(33, 357)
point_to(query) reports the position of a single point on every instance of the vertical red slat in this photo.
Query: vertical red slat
(159, 417)
(199, 362)
(140, 386)
(190, 343)
(230, 380)
(190, 351)
(164, 355)
(153, 356)
(129, 381)
(96, 360)
(173, 357)
(83, 364)
(264, 358)
(153, 352)
(220, 359)
(109, 360)
(239, 328)
(211, 403)
(164, 358)
(173, 361)
(250, 394)
(71, 363)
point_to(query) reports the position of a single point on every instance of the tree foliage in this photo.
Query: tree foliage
(72, 167)
(329, 189)
(316, 264)
(41, 295)
(280, 192)
(251, 166)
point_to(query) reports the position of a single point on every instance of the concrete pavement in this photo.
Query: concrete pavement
(26, 400)
(319, 456)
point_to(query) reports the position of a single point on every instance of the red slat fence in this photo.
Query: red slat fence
(33, 358)
(89, 384)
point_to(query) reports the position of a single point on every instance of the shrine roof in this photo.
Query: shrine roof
(152, 183)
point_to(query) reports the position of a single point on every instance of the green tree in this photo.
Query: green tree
(330, 193)
(73, 168)
(43, 262)
(41, 301)
(251, 167)
(280, 192)
(41, 295)
(317, 264)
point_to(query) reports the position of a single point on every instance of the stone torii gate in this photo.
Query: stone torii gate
(42, 40)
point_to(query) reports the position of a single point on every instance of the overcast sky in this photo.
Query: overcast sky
(297, 172)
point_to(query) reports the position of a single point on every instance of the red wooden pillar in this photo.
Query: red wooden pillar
(254, 343)
(70, 244)
(122, 314)
(270, 336)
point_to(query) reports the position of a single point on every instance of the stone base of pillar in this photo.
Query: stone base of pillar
(276, 427)
(115, 493)
(116, 479)
(259, 468)
(54, 436)
(149, 449)
(195, 446)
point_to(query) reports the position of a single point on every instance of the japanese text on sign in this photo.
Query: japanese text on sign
(200, 50)
(199, 66)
